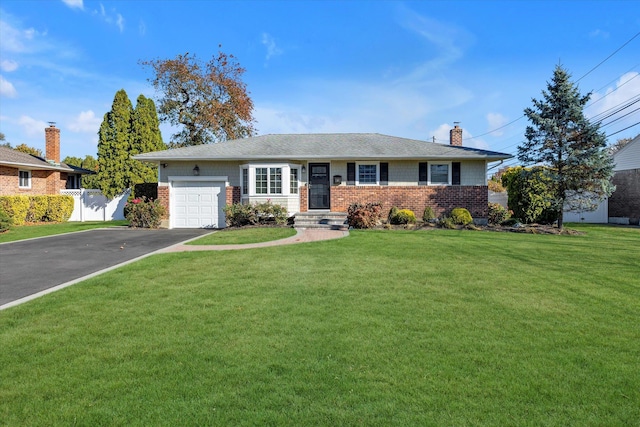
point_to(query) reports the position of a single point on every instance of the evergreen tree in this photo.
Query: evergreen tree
(90, 163)
(573, 149)
(114, 145)
(146, 137)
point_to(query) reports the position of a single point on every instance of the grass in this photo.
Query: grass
(41, 230)
(428, 328)
(245, 235)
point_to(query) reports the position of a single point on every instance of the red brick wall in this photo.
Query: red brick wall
(163, 197)
(416, 198)
(42, 182)
(233, 195)
(52, 143)
(303, 198)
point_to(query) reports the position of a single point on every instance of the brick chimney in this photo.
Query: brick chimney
(455, 135)
(52, 142)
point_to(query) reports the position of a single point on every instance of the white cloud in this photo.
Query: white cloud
(598, 33)
(111, 17)
(8, 65)
(626, 89)
(495, 121)
(272, 49)
(74, 4)
(7, 89)
(31, 126)
(17, 40)
(142, 28)
(85, 122)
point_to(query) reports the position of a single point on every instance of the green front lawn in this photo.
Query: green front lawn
(239, 236)
(423, 328)
(23, 232)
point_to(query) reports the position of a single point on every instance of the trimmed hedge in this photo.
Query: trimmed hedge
(42, 208)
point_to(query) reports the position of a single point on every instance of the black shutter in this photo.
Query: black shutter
(455, 173)
(384, 173)
(422, 173)
(351, 174)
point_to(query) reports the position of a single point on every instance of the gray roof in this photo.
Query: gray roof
(17, 159)
(336, 146)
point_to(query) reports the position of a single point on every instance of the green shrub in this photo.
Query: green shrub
(364, 215)
(38, 206)
(144, 213)
(239, 215)
(428, 215)
(5, 221)
(497, 213)
(530, 194)
(16, 207)
(461, 216)
(59, 208)
(392, 213)
(447, 222)
(267, 212)
(403, 216)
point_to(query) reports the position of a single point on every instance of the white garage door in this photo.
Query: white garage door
(198, 204)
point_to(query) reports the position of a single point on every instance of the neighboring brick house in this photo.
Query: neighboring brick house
(624, 203)
(321, 173)
(22, 173)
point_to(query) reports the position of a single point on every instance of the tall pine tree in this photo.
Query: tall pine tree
(572, 148)
(146, 137)
(125, 132)
(114, 145)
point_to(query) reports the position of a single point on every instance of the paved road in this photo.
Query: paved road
(31, 266)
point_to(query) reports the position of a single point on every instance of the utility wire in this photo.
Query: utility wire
(622, 130)
(608, 57)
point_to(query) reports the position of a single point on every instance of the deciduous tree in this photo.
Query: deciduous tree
(24, 148)
(209, 101)
(573, 148)
(90, 163)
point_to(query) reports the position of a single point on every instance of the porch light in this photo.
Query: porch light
(196, 171)
(304, 169)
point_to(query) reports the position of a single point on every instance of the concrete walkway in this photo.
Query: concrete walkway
(303, 235)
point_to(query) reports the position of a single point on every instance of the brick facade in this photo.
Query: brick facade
(233, 195)
(52, 143)
(42, 182)
(441, 198)
(163, 197)
(304, 193)
(625, 201)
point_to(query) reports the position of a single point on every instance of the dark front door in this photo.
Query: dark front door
(319, 187)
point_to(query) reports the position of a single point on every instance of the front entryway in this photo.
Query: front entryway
(198, 204)
(319, 186)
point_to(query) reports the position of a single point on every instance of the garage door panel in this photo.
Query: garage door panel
(197, 204)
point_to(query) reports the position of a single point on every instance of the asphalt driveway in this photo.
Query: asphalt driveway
(31, 266)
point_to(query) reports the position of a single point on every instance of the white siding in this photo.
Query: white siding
(228, 169)
(628, 157)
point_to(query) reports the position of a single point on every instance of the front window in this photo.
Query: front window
(439, 173)
(261, 180)
(293, 181)
(245, 181)
(367, 173)
(24, 180)
(275, 180)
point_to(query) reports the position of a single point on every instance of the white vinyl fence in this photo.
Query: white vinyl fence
(91, 205)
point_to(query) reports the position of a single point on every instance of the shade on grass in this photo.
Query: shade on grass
(379, 328)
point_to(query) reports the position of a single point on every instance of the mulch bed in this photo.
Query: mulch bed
(522, 228)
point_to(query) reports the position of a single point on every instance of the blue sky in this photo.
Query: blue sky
(408, 69)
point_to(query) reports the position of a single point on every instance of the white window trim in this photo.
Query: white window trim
(286, 179)
(29, 176)
(429, 164)
(377, 165)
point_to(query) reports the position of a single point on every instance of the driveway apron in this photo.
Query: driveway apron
(31, 266)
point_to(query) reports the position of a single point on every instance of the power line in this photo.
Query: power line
(622, 130)
(608, 57)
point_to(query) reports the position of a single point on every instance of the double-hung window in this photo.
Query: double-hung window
(245, 181)
(293, 181)
(24, 179)
(275, 180)
(367, 174)
(268, 180)
(440, 173)
(261, 180)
